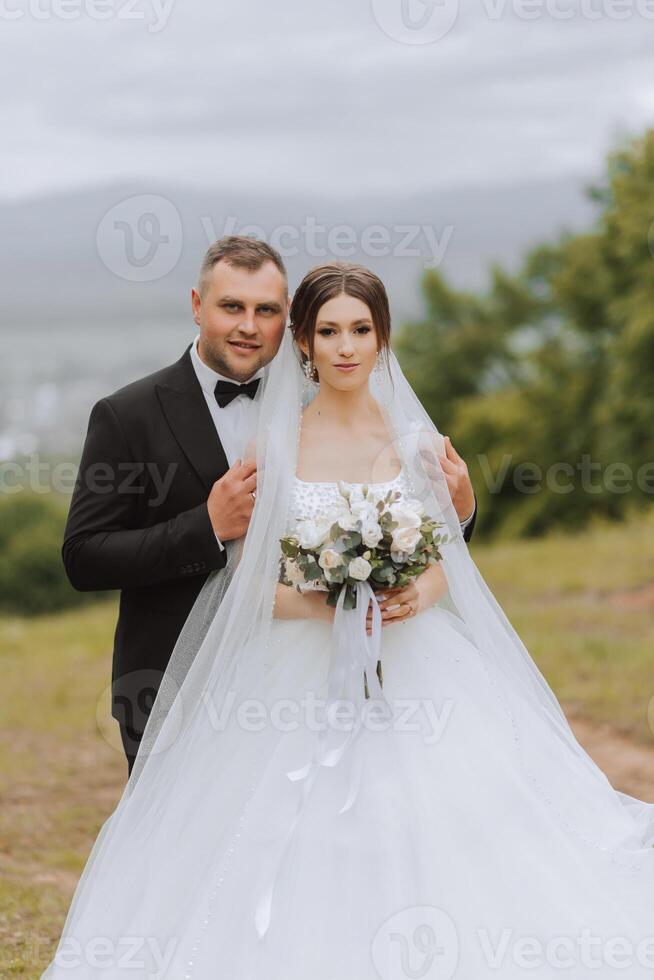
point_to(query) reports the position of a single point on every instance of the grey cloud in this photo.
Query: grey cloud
(319, 91)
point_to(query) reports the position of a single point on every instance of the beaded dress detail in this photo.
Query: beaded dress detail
(312, 500)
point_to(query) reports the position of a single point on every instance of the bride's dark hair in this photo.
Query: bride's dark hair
(323, 283)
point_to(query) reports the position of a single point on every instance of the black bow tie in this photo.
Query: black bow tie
(227, 391)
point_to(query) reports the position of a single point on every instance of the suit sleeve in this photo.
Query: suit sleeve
(103, 547)
(468, 526)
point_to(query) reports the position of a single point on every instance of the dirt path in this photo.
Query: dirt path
(628, 765)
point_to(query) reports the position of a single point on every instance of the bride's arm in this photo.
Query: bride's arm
(430, 586)
(423, 592)
(291, 604)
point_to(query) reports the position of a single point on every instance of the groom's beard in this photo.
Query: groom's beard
(223, 359)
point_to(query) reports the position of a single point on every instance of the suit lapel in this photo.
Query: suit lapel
(183, 403)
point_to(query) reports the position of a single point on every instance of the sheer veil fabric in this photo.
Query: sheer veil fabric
(195, 773)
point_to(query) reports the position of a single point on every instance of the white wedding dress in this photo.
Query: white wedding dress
(450, 863)
(435, 846)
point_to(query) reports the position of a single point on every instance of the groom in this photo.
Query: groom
(161, 484)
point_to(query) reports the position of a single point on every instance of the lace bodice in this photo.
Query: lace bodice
(311, 500)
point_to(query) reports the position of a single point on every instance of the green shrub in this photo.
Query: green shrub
(32, 575)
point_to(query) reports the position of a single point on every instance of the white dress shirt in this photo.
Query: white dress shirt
(235, 423)
(465, 523)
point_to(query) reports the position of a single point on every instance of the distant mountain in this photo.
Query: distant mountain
(57, 253)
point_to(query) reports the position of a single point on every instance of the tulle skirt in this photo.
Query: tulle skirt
(436, 847)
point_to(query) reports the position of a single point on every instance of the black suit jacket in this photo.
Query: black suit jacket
(138, 521)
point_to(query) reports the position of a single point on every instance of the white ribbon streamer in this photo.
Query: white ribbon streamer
(354, 653)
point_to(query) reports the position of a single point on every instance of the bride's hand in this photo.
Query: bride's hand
(396, 605)
(400, 604)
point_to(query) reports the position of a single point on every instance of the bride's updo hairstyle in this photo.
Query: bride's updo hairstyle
(323, 283)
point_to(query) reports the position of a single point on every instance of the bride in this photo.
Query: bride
(333, 793)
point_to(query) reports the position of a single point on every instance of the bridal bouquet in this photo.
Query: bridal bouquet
(382, 540)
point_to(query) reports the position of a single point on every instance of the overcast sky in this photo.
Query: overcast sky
(345, 95)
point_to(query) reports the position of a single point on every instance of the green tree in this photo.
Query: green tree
(551, 368)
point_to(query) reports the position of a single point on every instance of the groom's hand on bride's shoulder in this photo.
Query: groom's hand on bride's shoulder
(455, 470)
(458, 480)
(231, 502)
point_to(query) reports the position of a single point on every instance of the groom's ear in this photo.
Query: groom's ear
(196, 304)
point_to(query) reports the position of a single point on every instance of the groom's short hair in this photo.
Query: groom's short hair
(242, 252)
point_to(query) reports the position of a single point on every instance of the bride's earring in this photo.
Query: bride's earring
(307, 367)
(381, 378)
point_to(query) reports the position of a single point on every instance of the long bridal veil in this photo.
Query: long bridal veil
(197, 769)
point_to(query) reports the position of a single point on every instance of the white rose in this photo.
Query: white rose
(330, 559)
(359, 569)
(371, 533)
(406, 535)
(311, 534)
(404, 515)
(417, 506)
(347, 521)
(405, 539)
